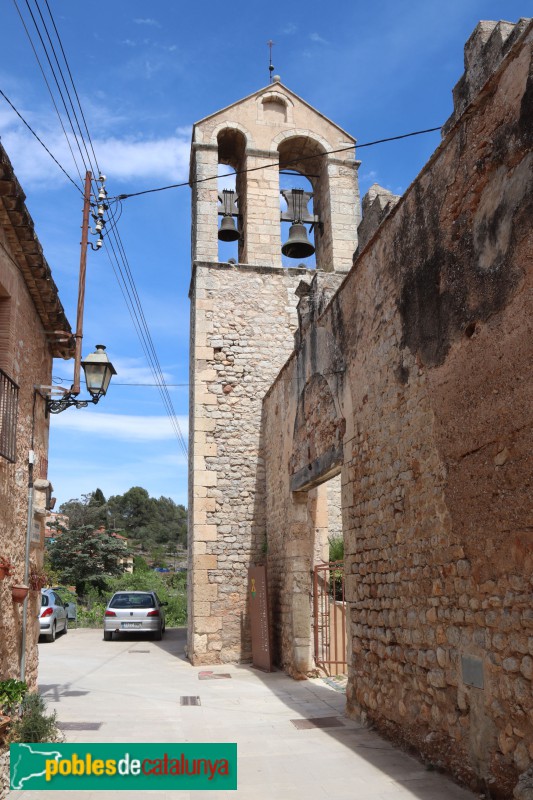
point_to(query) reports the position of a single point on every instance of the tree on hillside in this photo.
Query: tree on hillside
(132, 510)
(148, 521)
(84, 557)
(90, 509)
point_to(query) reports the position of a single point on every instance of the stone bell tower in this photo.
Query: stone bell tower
(243, 320)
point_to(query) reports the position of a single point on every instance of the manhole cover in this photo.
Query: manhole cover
(206, 675)
(190, 701)
(73, 693)
(79, 726)
(317, 722)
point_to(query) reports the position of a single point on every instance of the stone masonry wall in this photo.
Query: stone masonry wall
(242, 325)
(427, 350)
(26, 359)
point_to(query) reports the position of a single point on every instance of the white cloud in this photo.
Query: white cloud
(122, 158)
(289, 29)
(131, 157)
(151, 22)
(315, 37)
(133, 370)
(123, 427)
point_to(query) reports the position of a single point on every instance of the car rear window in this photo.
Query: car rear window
(132, 601)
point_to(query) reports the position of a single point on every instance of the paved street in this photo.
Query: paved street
(130, 690)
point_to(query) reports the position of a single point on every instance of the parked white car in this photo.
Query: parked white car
(134, 612)
(53, 615)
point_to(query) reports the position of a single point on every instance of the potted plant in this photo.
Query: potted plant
(38, 578)
(19, 592)
(6, 567)
(11, 695)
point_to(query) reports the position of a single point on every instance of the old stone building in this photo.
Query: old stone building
(407, 378)
(33, 329)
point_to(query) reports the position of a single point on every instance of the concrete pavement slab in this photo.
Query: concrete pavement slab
(129, 690)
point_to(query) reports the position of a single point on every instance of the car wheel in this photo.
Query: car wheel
(108, 635)
(158, 635)
(51, 637)
(65, 629)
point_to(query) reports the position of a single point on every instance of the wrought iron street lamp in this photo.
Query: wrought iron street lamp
(98, 371)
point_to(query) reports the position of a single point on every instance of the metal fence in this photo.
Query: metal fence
(329, 612)
(9, 393)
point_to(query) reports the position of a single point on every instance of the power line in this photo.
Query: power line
(114, 245)
(276, 166)
(170, 385)
(40, 141)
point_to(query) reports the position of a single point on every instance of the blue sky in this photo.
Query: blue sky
(145, 72)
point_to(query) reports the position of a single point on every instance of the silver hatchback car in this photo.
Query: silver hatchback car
(53, 615)
(134, 612)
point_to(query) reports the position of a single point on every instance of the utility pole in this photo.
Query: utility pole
(81, 285)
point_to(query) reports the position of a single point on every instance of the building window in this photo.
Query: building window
(9, 393)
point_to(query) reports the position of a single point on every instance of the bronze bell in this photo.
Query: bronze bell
(297, 245)
(228, 231)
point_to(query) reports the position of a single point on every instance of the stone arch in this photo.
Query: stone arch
(318, 436)
(274, 108)
(231, 150)
(236, 126)
(306, 154)
(301, 133)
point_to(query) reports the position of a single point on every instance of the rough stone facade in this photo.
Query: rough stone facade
(243, 321)
(421, 367)
(31, 316)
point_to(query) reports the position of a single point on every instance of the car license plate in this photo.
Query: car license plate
(131, 625)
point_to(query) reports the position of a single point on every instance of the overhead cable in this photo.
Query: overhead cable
(276, 166)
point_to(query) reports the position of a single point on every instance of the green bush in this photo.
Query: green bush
(336, 548)
(11, 694)
(171, 588)
(91, 616)
(34, 724)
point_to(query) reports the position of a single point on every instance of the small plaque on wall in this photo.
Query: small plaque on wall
(472, 669)
(36, 532)
(258, 604)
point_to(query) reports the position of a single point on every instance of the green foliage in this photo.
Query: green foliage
(91, 616)
(148, 522)
(336, 548)
(34, 725)
(170, 589)
(140, 565)
(84, 557)
(11, 693)
(91, 510)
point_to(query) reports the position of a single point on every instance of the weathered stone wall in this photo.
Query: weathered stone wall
(427, 351)
(33, 328)
(27, 362)
(242, 325)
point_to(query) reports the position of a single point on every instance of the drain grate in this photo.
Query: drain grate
(190, 701)
(138, 651)
(317, 722)
(80, 726)
(73, 693)
(206, 675)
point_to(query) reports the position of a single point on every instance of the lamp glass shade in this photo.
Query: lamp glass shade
(98, 371)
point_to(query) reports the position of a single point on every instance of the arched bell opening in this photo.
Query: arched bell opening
(297, 237)
(231, 194)
(303, 182)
